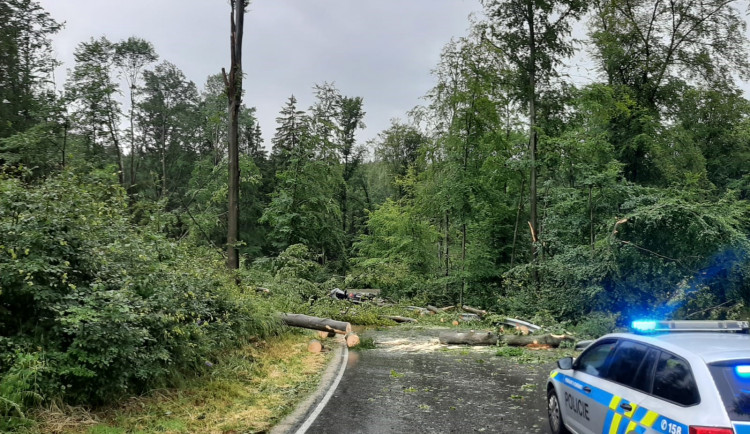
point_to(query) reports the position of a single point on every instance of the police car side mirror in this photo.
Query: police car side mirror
(565, 363)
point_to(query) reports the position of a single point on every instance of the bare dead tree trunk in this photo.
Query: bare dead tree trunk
(164, 157)
(446, 257)
(533, 219)
(518, 218)
(234, 92)
(116, 142)
(463, 265)
(134, 149)
(591, 217)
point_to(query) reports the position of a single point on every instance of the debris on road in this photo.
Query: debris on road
(489, 338)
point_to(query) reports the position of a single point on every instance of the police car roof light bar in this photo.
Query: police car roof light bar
(690, 326)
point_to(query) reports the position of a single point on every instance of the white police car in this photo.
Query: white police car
(673, 377)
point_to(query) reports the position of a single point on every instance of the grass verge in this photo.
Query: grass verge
(252, 389)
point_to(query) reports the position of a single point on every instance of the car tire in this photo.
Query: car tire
(554, 414)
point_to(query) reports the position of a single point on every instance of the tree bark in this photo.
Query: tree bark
(433, 309)
(446, 256)
(468, 338)
(522, 341)
(518, 218)
(400, 319)
(479, 312)
(234, 92)
(489, 338)
(532, 125)
(315, 323)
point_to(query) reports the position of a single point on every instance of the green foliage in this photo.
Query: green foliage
(509, 352)
(20, 388)
(596, 324)
(395, 253)
(112, 308)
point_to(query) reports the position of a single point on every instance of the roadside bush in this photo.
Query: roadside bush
(113, 308)
(19, 388)
(597, 324)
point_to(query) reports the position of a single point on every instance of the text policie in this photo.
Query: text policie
(577, 405)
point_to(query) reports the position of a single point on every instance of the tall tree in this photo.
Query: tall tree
(167, 109)
(293, 126)
(131, 57)
(350, 115)
(26, 64)
(534, 36)
(649, 46)
(93, 90)
(233, 83)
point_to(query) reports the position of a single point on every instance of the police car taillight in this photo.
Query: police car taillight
(710, 430)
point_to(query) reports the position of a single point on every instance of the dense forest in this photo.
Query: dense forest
(510, 188)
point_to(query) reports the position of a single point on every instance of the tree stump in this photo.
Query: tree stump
(315, 346)
(352, 340)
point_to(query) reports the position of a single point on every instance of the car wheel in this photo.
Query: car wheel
(554, 414)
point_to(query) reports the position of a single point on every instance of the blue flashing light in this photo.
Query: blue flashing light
(742, 371)
(643, 326)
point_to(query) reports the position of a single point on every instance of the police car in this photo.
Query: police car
(672, 377)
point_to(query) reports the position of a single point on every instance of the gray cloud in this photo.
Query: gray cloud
(381, 50)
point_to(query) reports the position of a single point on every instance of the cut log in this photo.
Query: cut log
(352, 340)
(447, 308)
(489, 338)
(468, 338)
(421, 310)
(467, 317)
(455, 323)
(400, 319)
(522, 341)
(315, 323)
(433, 309)
(260, 290)
(314, 346)
(479, 312)
(324, 335)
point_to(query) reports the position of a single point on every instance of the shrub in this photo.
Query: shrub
(114, 308)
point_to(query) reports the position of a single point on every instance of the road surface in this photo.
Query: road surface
(411, 384)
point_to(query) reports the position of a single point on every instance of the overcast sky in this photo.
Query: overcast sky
(381, 50)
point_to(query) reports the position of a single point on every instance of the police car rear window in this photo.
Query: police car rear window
(673, 380)
(733, 383)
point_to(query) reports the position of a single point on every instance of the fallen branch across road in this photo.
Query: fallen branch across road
(400, 319)
(315, 323)
(489, 338)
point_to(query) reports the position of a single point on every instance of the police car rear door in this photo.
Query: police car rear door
(583, 396)
(631, 375)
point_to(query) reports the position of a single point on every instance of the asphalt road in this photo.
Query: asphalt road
(410, 384)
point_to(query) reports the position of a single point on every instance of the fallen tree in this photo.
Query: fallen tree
(479, 312)
(400, 318)
(315, 323)
(489, 338)
(468, 338)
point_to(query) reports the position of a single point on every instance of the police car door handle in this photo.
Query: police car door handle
(626, 407)
(587, 389)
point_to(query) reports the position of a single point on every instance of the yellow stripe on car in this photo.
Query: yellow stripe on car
(649, 419)
(615, 425)
(614, 403)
